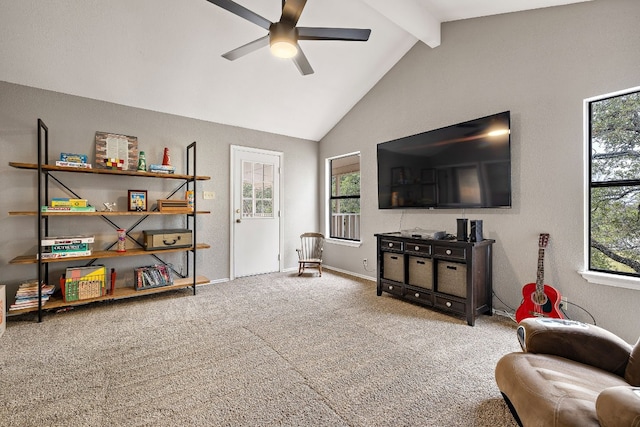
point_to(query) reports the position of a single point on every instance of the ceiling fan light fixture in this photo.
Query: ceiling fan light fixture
(283, 40)
(283, 49)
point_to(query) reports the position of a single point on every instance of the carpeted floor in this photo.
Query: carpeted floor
(272, 350)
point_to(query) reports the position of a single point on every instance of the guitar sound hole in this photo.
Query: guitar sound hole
(539, 298)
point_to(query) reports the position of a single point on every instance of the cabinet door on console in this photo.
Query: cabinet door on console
(393, 266)
(452, 278)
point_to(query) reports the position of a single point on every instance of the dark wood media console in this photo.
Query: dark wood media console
(445, 274)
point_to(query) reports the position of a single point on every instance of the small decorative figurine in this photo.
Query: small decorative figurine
(166, 160)
(122, 236)
(109, 207)
(142, 162)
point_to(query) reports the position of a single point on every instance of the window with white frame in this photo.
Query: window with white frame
(344, 197)
(614, 183)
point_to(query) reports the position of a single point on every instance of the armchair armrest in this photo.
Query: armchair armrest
(588, 344)
(618, 406)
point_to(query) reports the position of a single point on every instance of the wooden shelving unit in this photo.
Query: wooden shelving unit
(47, 172)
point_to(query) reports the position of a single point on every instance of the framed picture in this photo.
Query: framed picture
(137, 200)
(117, 152)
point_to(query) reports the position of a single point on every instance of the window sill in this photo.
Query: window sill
(340, 242)
(611, 280)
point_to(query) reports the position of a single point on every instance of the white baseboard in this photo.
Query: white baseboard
(351, 273)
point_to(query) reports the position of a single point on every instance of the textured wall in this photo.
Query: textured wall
(540, 65)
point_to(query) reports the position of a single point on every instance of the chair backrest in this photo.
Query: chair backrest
(312, 245)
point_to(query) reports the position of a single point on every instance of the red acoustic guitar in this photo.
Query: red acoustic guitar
(539, 300)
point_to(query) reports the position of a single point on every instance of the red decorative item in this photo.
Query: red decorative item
(166, 160)
(539, 299)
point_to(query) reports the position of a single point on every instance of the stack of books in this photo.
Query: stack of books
(65, 204)
(73, 161)
(27, 295)
(66, 246)
(162, 169)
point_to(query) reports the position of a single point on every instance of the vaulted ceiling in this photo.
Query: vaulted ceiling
(165, 55)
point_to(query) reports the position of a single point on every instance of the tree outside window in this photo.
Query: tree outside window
(344, 203)
(614, 199)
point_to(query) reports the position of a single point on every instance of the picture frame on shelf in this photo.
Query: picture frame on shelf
(137, 201)
(116, 152)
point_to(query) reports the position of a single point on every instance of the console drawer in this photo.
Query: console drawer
(418, 295)
(450, 304)
(395, 245)
(392, 288)
(450, 252)
(418, 247)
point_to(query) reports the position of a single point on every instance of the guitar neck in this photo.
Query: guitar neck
(540, 275)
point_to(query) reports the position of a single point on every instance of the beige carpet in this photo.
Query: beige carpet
(272, 350)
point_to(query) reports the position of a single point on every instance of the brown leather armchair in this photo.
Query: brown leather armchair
(571, 374)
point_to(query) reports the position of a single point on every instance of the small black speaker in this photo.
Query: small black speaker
(476, 231)
(462, 229)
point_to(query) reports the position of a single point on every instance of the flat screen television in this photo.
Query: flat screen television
(467, 165)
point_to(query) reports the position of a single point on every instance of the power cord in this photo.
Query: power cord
(509, 312)
(562, 309)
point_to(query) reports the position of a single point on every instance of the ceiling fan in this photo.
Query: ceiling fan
(284, 35)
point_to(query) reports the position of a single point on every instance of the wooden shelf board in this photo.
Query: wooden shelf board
(120, 293)
(113, 213)
(19, 165)
(31, 259)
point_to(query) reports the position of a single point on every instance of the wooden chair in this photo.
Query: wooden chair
(310, 253)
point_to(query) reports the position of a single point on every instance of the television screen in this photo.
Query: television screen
(467, 165)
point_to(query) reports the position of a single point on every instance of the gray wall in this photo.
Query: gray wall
(540, 65)
(72, 123)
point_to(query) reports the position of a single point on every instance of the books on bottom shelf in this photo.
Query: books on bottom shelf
(27, 295)
(153, 276)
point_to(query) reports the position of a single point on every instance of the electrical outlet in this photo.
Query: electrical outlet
(365, 263)
(564, 304)
(208, 195)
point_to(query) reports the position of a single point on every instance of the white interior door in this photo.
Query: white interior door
(255, 215)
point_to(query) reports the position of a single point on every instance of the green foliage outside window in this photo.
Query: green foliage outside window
(348, 185)
(615, 184)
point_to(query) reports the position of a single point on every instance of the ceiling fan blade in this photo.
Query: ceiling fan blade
(247, 48)
(345, 34)
(302, 62)
(291, 11)
(242, 12)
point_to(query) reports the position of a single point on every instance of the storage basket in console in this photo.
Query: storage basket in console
(452, 278)
(393, 266)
